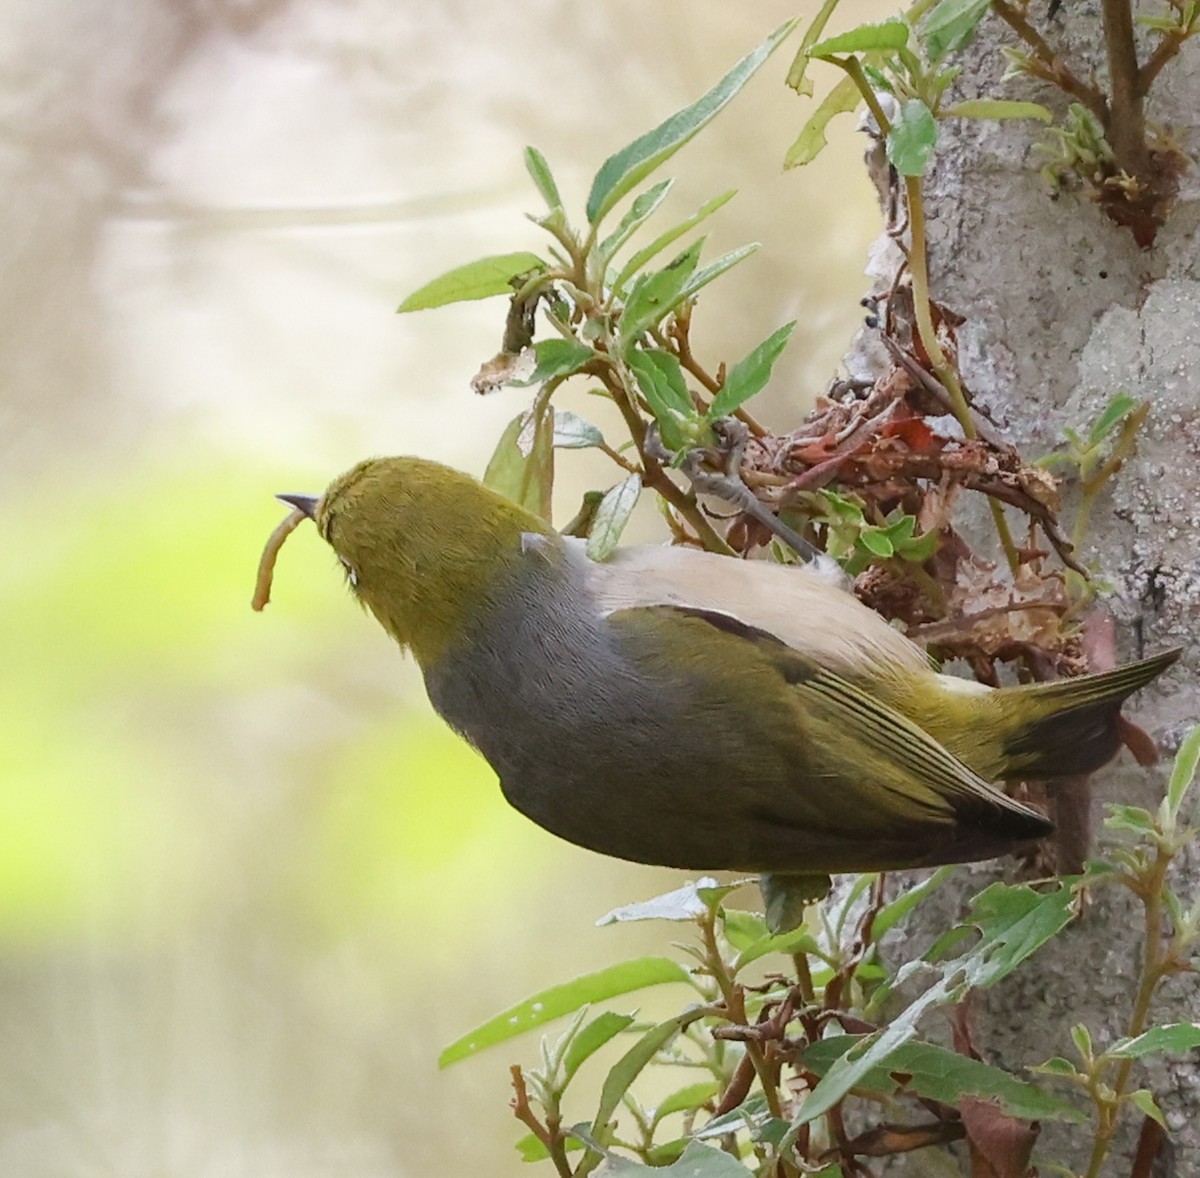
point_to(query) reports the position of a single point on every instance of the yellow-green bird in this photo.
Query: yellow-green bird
(694, 711)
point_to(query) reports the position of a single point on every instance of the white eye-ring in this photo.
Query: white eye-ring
(351, 575)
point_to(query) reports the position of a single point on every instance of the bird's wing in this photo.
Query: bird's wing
(794, 604)
(842, 774)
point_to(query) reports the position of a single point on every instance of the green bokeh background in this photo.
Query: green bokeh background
(249, 885)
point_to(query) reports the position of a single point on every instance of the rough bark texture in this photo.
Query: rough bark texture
(1063, 310)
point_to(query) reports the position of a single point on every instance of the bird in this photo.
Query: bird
(675, 707)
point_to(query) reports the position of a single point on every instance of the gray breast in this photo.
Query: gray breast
(581, 741)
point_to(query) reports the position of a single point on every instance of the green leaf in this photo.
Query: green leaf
(912, 138)
(555, 357)
(671, 409)
(655, 294)
(625, 1071)
(1012, 922)
(476, 280)
(750, 374)
(698, 1161)
(522, 465)
(811, 141)
(797, 940)
(1114, 411)
(1183, 771)
(683, 903)
(877, 542)
(572, 432)
(563, 999)
(1143, 1100)
(642, 208)
(532, 1150)
(701, 278)
(890, 34)
(539, 171)
(798, 75)
(1082, 1038)
(1131, 818)
(750, 1114)
(1056, 1066)
(591, 1038)
(743, 929)
(936, 1073)
(950, 26)
(896, 910)
(664, 239)
(686, 1099)
(997, 108)
(621, 172)
(612, 515)
(1171, 1039)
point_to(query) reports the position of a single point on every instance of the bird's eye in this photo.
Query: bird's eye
(351, 575)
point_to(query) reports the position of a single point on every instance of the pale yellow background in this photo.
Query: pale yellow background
(249, 886)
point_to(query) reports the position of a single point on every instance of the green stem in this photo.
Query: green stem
(1150, 892)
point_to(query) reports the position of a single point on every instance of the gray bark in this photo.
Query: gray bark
(1063, 310)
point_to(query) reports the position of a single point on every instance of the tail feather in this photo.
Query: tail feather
(1069, 725)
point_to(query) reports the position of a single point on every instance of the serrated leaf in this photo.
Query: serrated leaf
(572, 432)
(950, 26)
(566, 998)
(1171, 1039)
(936, 1073)
(522, 465)
(912, 138)
(811, 141)
(668, 236)
(654, 294)
(642, 208)
(697, 1161)
(591, 1038)
(798, 73)
(555, 357)
(890, 34)
(1183, 771)
(539, 171)
(1012, 922)
(621, 172)
(996, 108)
(476, 280)
(612, 515)
(750, 374)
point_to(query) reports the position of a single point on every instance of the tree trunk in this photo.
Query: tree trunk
(1063, 310)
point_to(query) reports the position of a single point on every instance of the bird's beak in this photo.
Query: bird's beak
(304, 503)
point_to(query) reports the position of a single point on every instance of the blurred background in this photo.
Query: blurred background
(249, 885)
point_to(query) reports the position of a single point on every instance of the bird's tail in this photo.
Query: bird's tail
(1063, 727)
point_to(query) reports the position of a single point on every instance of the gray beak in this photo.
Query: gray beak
(304, 503)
